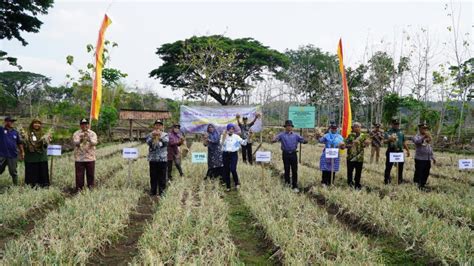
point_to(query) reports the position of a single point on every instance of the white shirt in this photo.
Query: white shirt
(232, 142)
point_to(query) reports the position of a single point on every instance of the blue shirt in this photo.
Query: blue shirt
(289, 141)
(9, 140)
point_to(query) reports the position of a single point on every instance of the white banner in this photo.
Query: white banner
(195, 119)
(199, 157)
(54, 150)
(466, 164)
(263, 156)
(331, 153)
(130, 153)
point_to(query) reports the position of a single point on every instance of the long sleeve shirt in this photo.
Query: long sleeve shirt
(232, 143)
(158, 150)
(423, 151)
(84, 147)
(289, 141)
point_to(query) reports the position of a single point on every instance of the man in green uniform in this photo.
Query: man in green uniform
(396, 142)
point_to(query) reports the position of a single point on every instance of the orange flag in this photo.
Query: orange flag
(99, 64)
(346, 111)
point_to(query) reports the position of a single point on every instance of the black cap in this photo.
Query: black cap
(9, 119)
(245, 118)
(332, 124)
(84, 121)
(423, 125)
(158, 121)
(288, 123)
(177, 125)
(376, 124)
(395, 120)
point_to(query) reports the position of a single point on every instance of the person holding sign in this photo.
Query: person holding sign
(289, 143)
(176, 139)
(329, 166)
(36, 142)
(157, 142)
(214, 152)
(230, 147)
(247, 134)
(84, 141)
(395, 140)
(10, 143)
(423, 155)
(355, 144)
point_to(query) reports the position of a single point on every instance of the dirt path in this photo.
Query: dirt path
(252, 245)
(124, 250)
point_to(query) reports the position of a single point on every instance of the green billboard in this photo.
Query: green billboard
(302, 116)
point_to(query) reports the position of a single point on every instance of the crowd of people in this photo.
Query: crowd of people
(164, 152)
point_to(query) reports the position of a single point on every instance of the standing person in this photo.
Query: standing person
(289, 143)
(10, 144)
(36, 155)
(84, 141)
(395, 140)
(214, 152)
(230, 147)
(175, 141)
(423, 155)
(376, 135)
(355, 144)
(157, 142)
(246, 133)
(329, 167)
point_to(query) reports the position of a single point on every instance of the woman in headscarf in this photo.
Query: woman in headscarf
(332, 139)
(36, 158)
(214, 152)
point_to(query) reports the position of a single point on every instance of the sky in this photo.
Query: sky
(140, 27)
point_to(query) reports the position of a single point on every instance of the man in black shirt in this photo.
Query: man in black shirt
(246, 133)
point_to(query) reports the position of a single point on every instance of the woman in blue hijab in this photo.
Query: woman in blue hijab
(328, 166)
(214, 152)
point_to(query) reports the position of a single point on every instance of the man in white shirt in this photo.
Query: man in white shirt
(230, 146)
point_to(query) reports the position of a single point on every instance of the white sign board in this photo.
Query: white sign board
(397, 157)
(54, 150)
(199, 157)
(331, 153)
(130, 153)
(263, 156)
(466, 164)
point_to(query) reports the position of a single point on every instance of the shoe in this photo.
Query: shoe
(227, 190)
(296, 190)
(237, 186)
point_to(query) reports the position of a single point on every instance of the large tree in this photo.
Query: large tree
(216, 66)
(17, 16)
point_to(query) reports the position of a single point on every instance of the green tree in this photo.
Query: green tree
(216, 66)
(20, 16)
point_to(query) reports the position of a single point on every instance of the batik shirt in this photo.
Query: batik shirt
(376, 137)
(84, 150)
(356, 152)
(158, 150)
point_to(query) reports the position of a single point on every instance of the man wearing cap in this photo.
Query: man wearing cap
(423, 155)
(10, 143)
(175, 140)
(376, 135)
(157, 142)
(84, 141)
(355, 144)
(329, 166)
(396, 142)
(289, 143)
(246, 133)
(231, 144)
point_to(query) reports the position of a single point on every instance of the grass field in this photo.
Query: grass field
(263, 223)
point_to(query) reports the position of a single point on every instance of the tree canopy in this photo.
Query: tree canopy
(216, 66)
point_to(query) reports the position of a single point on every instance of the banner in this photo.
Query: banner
(346, 111)
(194, 119)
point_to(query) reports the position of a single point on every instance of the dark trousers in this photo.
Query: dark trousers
(230, 166)
(157, 178)
(327, 177)
(290, 161)
(247, 153)
(351, 166)
(11, 163)
(422, 171)
(214, 172)
(87, 168)
(177, 163)
(388, 169)
(37, 174)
